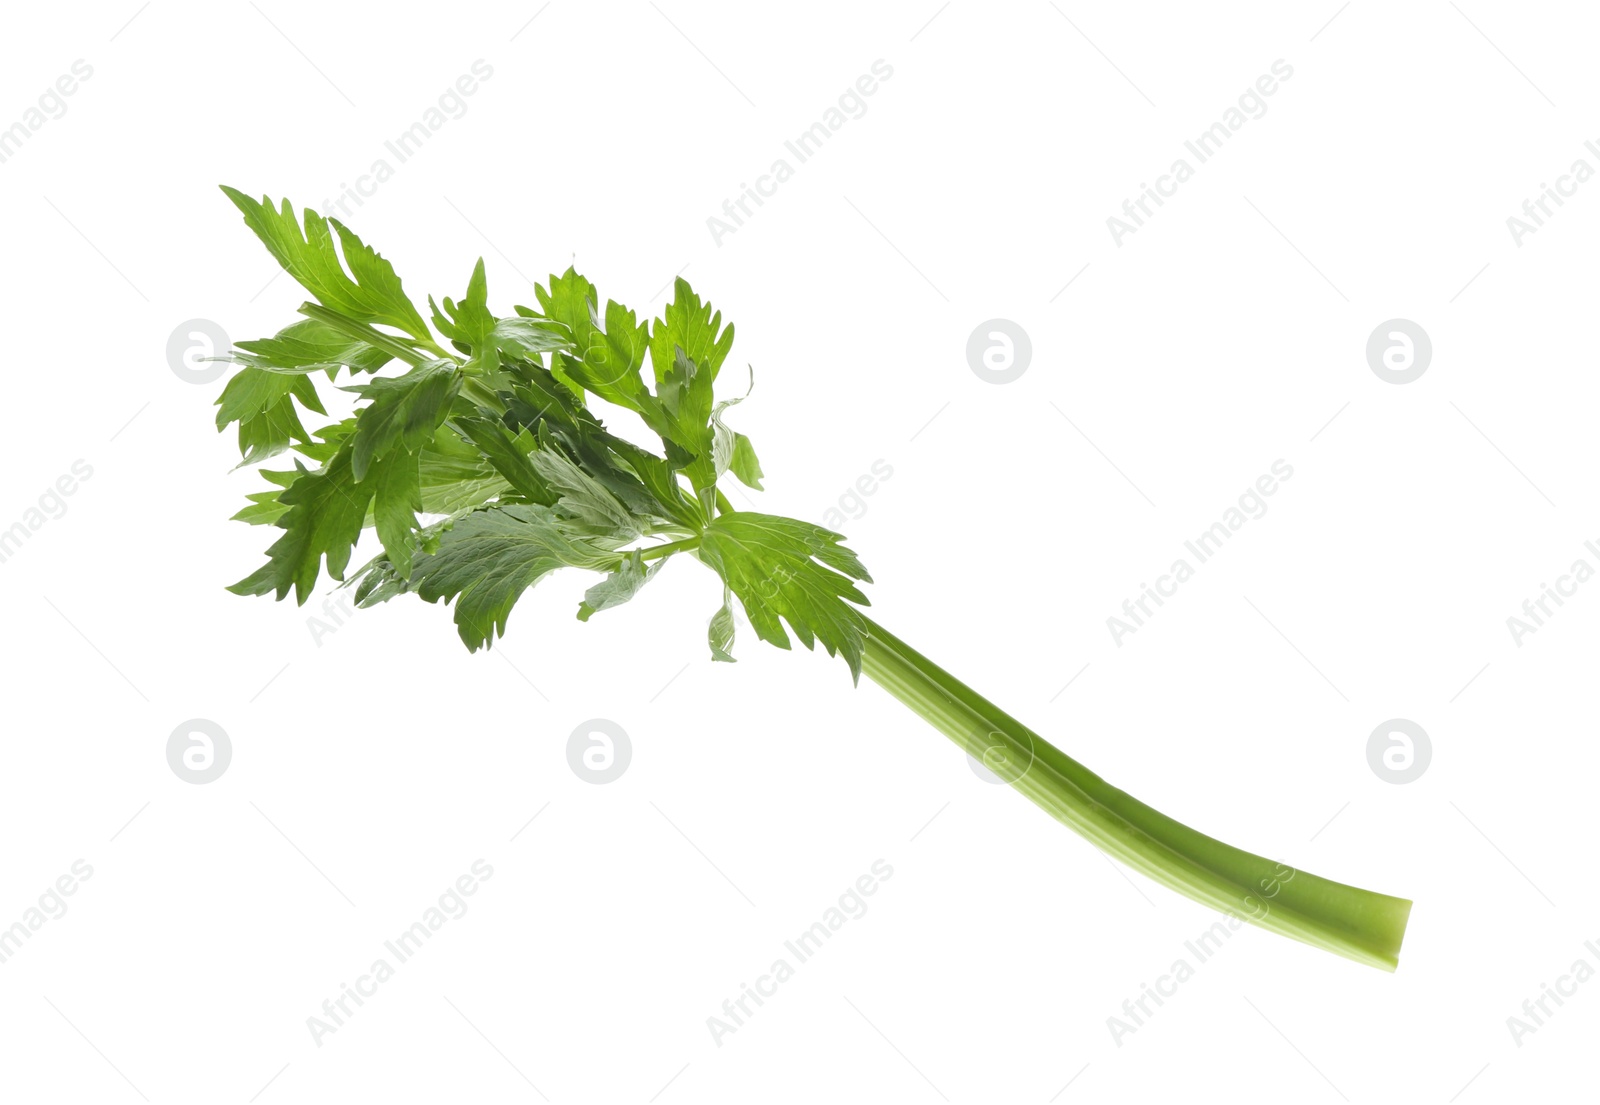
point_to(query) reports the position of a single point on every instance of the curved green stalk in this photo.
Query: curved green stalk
(1361, 924)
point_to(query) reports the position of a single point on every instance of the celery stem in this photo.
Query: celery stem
(1361, 924)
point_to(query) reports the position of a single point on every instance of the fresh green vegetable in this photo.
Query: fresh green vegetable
(493, 440)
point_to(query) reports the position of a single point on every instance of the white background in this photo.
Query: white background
(373, 766)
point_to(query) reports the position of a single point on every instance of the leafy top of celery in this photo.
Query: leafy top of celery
(475, 455)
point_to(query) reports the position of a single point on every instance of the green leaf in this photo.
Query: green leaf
(376, 582)
(508, 456)
(397, 496)
(657, 478)
(540, 395)
(262, 403)
(264, 508)
(307, 346)
(618, 587)
(265, 505)
(269, 434)
(369, 292)
(488, 558)
(687, 347)
(470, 325)
(724, 440)
(573, 391)
(528, 337)
(327, 509)
(455, 476)
(645, 482)
(584, 501)
(405, 411)
(744, 465)
(720, 632)
(788, 569)
(692, 326)
(686, 400)
(329, 440)
(605, 361)
(253, 391)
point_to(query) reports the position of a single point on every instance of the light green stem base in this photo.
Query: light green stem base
(1361, 924)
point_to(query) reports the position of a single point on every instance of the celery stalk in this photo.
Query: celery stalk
(1361, 924)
